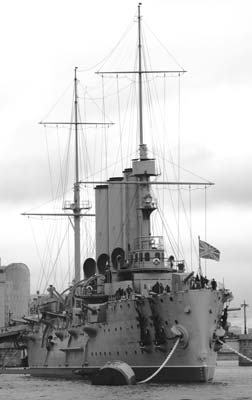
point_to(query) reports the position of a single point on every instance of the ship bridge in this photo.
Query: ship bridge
(148, 252)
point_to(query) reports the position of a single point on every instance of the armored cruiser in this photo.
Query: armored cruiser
(135, 304)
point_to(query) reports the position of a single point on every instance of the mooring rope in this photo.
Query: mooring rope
(235, 351)
(162, 365)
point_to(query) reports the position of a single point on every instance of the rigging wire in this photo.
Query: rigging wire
(151, 119)
(205, 225)
(190, 211)
(119, 120)
(182, 168)
(56, 258)
(164, 132)
(164, 47)
(104, 130)
(180, 199)
(57, 101)
(49, 164)
(93, 100)
(60, 161)
(150, 104)
(42, 270)
(149, 97)
(68, 258)
(179, 160)
(103, 61)
(114, 93)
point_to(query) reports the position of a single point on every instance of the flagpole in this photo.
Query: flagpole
(199, 258)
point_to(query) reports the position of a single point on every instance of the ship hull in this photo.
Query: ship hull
(80, 351)
(201, 373)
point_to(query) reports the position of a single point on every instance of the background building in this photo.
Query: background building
(14, 292)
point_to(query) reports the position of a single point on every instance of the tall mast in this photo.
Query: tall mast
(140, 76)
(76, 209)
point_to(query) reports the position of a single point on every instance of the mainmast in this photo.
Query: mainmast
(140, 76)
(76, 208)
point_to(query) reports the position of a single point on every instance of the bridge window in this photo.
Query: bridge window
(136, 257)
(147, 256)
(140, 257)
(157, 255)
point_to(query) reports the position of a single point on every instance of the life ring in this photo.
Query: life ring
(156, 261)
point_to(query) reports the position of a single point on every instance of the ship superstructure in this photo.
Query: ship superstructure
(134, 302)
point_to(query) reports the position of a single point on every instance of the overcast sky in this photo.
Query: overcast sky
(42, 42)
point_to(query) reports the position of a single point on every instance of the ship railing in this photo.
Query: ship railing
(149, 243)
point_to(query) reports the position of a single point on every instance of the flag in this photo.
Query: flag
(208, 251)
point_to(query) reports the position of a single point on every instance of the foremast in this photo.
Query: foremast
(76, 208)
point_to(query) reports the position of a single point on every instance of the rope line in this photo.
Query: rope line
(235, 351)
(162, 365)
(164, 47)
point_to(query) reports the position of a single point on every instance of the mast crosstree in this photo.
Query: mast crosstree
(140, 72)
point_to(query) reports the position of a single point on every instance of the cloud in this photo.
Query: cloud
(232, 186)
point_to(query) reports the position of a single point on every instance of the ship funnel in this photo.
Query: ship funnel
(89, 268)
(102, 262)
(117, 258)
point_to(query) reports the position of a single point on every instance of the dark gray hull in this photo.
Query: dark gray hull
(167, 374)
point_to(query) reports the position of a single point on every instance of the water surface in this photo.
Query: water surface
(231, 383)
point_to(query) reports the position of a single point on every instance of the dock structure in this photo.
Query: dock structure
(245, 348)
(225, 354)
